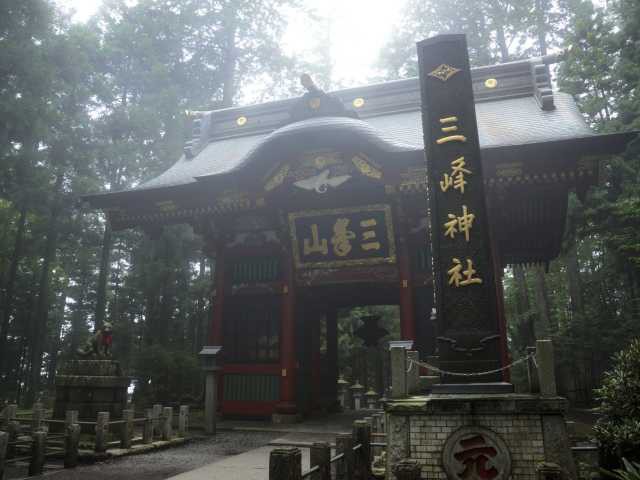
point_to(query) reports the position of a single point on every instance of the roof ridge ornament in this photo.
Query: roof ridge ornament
(317, 103)
(542, 90)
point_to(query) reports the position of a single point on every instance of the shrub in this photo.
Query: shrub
(618, 429)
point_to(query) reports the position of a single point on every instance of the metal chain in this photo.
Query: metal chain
(467, 374)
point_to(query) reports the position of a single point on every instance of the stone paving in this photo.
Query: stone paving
(239, 450)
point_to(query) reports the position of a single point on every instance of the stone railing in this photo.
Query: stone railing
(355, 456)
(31, 437)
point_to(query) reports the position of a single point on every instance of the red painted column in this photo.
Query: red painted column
(407, 314)
(287, 403)
(215, 332)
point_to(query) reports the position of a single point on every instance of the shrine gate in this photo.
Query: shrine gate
(317, 203)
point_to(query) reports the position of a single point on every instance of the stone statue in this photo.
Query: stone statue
(99, 345)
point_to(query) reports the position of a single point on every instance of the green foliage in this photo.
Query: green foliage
(631, 471)
(618, 429)
(166, 375)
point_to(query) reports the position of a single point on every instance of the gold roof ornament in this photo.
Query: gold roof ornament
(491, 83)
(444, 72)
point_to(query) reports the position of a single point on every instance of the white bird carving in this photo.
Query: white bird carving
(321, 182)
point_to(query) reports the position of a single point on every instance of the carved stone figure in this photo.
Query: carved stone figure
(99, 345)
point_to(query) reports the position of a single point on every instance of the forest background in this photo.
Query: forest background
(100, 106)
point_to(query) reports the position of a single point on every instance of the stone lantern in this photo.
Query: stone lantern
(372, 399)
(356, 392)
(209, 363)
(343, 391)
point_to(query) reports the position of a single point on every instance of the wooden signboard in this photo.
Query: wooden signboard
(464, 273)
(342, 237)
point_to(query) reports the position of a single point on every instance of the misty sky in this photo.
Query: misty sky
(358, 29)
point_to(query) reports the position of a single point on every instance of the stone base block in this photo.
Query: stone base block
(90, 386)
(497, 436)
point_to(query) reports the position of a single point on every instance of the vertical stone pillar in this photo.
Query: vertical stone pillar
(102, 432)
(37, 416)
(413, 374)
(287, 404)
(546, 368)
(397, 439)
(167, 420)
(398, 372)
(38, 447)
(210, 402)
(4, 443)
(285, 464)
(71, 444)
(344, 445)
(183, 420)
(156, 412)
(70, 417)
(147, 432)
(126, 434)
(320, 455)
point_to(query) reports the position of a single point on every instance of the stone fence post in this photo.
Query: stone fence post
(413, 375)
(320, 455)
(546, 368)
(398, 372)
(9, 414)
(37, 416)
(362, 436)
(102, 432)
(167, 417)
(70, 417)
(147, 432)
(157, 411)
(285, 464)
(71, 444)
(38, 446)
(4, 443)
(183, 420)
(126, 434)
(344, 445)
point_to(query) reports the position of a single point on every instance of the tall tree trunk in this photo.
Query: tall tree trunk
(230, 57)
(103, 277)
(573, 279)
(502, 44)
(42, 306)
(9, 287)
(542, 301)
(523, 306)
(541, 27)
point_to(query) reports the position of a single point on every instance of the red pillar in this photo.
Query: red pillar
(407, 313)
(215, 332)
(287, 403)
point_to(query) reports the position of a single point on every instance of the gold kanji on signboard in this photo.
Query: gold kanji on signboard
(456, 178)
(462, 278)
(450, 127)
(459, 224)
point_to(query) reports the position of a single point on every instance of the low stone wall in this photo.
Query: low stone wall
(502, 435)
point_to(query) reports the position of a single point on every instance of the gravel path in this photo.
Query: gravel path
(166, 463)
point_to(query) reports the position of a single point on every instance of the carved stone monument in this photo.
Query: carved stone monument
(471, 426)
(91, 384)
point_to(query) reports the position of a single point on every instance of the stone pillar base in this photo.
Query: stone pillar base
(499, 435)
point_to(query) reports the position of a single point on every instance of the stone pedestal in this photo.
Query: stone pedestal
(89, 387)
(496, 436)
